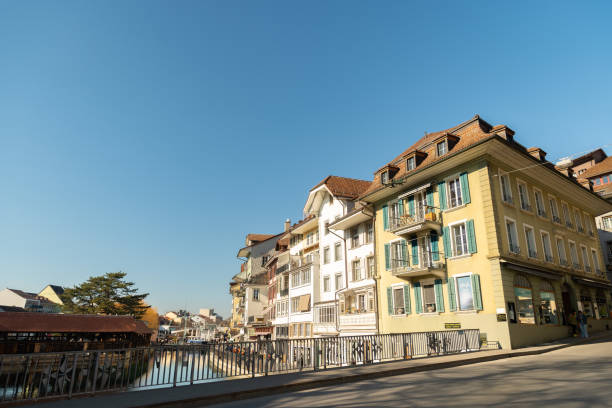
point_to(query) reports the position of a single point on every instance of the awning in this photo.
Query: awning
(532, 271)
(414, 190)
(591, 283)
(304, 303)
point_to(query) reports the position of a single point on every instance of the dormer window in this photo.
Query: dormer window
(411, 163)
(442, 148)
(384, 177)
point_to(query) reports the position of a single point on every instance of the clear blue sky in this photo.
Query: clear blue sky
(150, 137)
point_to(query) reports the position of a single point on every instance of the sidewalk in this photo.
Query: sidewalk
(231, 390)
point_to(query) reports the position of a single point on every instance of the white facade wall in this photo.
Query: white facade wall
(10, 298)
(329, 212)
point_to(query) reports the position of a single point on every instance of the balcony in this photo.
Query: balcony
(358, 321)
(404, 268)
(420, 221)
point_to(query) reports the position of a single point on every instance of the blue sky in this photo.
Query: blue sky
(150, 137)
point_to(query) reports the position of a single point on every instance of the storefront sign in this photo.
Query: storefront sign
(452, 325)
(501, 317)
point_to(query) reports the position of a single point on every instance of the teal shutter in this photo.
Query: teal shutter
(389, 300)
(387, 256)
(407, 306)
(435, 251)
(442, 195)
(385, 217)
(476, 290)
(417, 298)
(465, 188)
(471, 236)
(439, 295)
(415, 250)
(411, 206)
(446, 241)
(400, 207)
(452, 298)
(429, 199)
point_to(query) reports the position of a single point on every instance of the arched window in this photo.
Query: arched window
(548, 305)
(602, 304)
(587, 302)
(524, 300)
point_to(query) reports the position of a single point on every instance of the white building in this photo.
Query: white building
(31, 302)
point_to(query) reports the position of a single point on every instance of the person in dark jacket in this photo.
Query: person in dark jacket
(583, 324)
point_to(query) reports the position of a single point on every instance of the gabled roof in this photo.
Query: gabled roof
(57, 289)
(466, 133)
(603, 167)
(343, 186)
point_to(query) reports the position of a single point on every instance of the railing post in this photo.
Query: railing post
(72, 377)
(252, 362)
(404, 347)
(315, 363)
(176, 361)
(192, 367)
(466, 341)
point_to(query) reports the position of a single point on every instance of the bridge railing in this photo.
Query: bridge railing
(42, 375)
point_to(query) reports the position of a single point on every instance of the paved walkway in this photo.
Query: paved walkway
(232, 390)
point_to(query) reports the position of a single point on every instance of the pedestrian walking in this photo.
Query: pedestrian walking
(582, 322)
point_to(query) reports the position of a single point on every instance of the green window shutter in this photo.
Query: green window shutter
(387, 256)
(429, 199)
(400, 206)
(407, 306)
(465, 188)
(411, 206)
(471, 236)
(404, 247)
(439, 295)
(476, 290)
(385, 217)
(389, 300)
(442, 195)
(415, 250)
(435, 251)
(452, 298)
(417, 298)
(446, 242)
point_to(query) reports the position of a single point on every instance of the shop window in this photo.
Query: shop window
(548, 304)
(587, 302)
(524, 300)
(602, 304)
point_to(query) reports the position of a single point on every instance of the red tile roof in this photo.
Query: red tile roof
(344, 187)
(603, 167)
(15, 322)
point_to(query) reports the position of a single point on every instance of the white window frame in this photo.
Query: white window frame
(326, 284)
(588, 224)
(457, 301)
(456, 180)
(554, 209)
(396, 241)
(575, 260)
(445, 149)
(578, 221)
(527, 203)
(326, 255)
(509, 199)
(359, 275)
(567, 217)
(370, 273)
(552, 256)
(408, 160)
(393, 288)
(429, 282)
(336, 252)
(452, 239)
(369, 226)
(338, 278)
(517, 249)
(557, 239)
(595, 259)
(543, 202)
(535, 244)
(586, 262)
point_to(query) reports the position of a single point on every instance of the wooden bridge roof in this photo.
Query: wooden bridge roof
(15, 322)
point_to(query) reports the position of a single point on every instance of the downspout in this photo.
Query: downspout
(376, 293)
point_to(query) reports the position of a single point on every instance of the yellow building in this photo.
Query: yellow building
(53, 293)
(465, 236)
(236, 320)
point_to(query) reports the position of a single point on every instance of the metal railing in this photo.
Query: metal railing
(43, 375)
(419, 216)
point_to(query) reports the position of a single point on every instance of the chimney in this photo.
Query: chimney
(287, 224)
(537, 153)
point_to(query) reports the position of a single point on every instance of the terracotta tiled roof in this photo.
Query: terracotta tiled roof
(259, 237)
(603, 167)
(15, 322)
(344, 187)
(468, 133)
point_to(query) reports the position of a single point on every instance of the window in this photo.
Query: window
(371, 265)
(548, 305)
(540, 203)
(587, 302)
(524, 300)
(574, 254)
(578, 221)
(595, 262)
(465, 293)
(531, 244)
(325, 314)
(384, 177)
(300, 278)
(398, 300)
(524, 197)
(326, 287)
(264, 259)
(459, 236)
(454, 193)
(554, 210)
(356, 270)
(441, 148)
(354, 237)
(338, 252)
(369, 232)
(371, 301)
(561, 251)
(361, 303)
(398, 254)
(295, 304)
(547, 247)
(506, 190)
(411, 163)
(589, 226)
(602, 304)
(326, 228)
(606, 223)
(312, 237)
(307, 329)
(338, 281)
(585, 259)
(255, 294)
(566, 215)
(326, 255)
(513, 245)
(429, 298)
